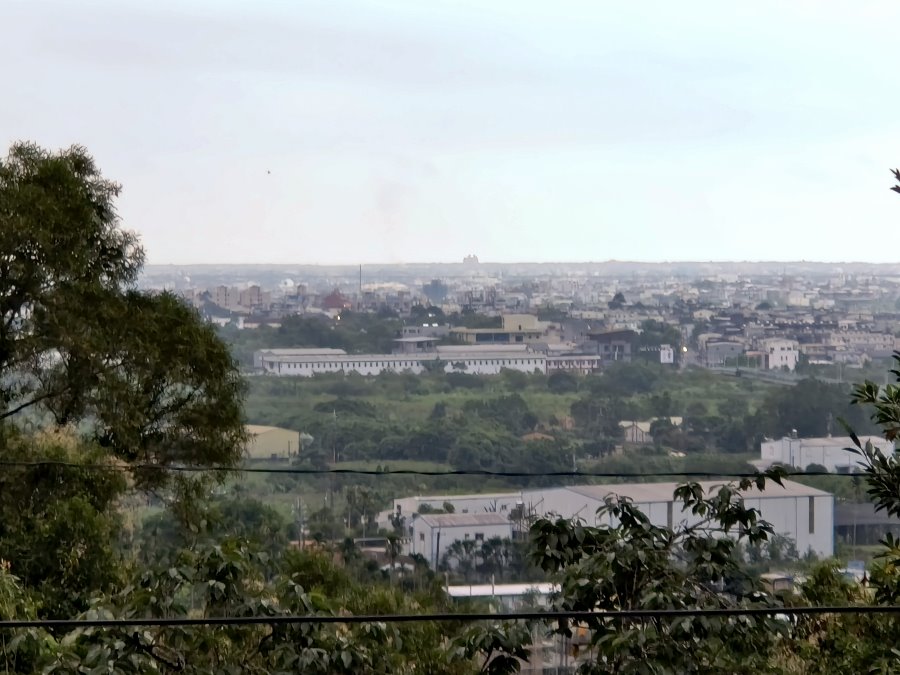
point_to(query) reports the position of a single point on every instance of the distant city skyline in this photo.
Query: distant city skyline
(358, 132)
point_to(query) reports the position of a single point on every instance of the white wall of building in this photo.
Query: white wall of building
(501, 502)
(474, 362)
(807, 520)
(780, 353)
(432, 535)
(580, 363)
(801, 513)
(874, 344)
(804, 514)
(828, 452)
(363, 364)
(492, 364)
(509, 597)
(263, 356)
(666, 354)
(561, 502)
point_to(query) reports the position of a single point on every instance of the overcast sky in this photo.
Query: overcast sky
(329, 131)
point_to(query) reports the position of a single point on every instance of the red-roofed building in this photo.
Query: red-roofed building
(335, 300)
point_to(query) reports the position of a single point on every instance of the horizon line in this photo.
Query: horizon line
(609, 261)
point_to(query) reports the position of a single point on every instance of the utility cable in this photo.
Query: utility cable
(417, 472)
(467, 617)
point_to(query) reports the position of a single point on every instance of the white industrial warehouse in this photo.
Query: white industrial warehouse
(799, 512)
(482, 359)
(829, 452)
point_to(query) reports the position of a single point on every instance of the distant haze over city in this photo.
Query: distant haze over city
(384, 132)
(611, 268)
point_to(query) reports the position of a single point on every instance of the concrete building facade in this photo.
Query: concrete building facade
(475, 360)
(614, 345)
(502, 503)
(574, 363)
(780, 354)
(876, 345)
(432, 535)
(720, 352)
(666, 354)
(264, 359)
(516, 329)
(271, 442)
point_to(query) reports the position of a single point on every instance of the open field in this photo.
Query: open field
(289, 401)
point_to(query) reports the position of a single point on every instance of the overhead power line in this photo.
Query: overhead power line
(416, 472)
(466, 617)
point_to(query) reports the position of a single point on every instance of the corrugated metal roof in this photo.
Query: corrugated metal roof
(350, 358)
(643, 493)
(303, 351)
(467, 349)
(475, 353)
(463, 519)
(259, 429)
(455, 498)
(835, 441)
(501, 590)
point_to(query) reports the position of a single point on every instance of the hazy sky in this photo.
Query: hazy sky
(424, 130)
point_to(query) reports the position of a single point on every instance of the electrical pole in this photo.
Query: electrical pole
(298, 515)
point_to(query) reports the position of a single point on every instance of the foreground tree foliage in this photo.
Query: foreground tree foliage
(233, 580)
(60, 523)
(110, 376)
(139, 373)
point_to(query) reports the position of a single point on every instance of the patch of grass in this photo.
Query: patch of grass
(393, 464)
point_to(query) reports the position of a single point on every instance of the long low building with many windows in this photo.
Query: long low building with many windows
(473, 360)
